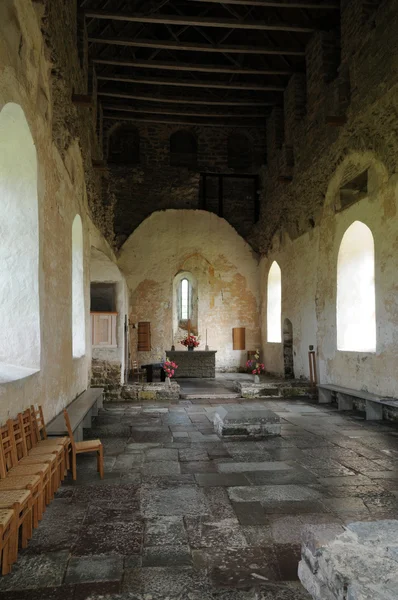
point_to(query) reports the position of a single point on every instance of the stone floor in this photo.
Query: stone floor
(182, 515)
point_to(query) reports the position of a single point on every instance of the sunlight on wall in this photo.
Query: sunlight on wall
(19, 246)
(274, 304)
(356, 318)
(78, 320)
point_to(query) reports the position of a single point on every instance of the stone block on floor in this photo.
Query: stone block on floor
(232, 423)
(356, 565)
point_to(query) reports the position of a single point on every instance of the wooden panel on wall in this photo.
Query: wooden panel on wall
(239, 338)
(144, 336)
(103, 329)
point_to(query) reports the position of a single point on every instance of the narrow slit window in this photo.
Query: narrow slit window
(274, 304)
(185, 300)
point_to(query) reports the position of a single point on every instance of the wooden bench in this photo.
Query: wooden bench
(345, 400)
(80, 411)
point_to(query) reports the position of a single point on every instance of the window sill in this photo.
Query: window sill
(357, 351)
(9, 373)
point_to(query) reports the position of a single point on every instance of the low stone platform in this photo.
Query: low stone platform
(273, 388)
(359, 564)
(245, 423)
(155, 391)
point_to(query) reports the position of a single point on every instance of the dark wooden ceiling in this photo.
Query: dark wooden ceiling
(200, 61)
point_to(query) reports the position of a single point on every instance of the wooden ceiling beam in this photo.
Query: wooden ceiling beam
(276, 4)
(177, 66)
(194, 84)
(180, 121)
(183, 100)
(186, 46)
(179, 113)
(158, 19)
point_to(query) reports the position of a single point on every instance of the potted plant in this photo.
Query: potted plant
(190, 342)
(169, 368)
(255, 367)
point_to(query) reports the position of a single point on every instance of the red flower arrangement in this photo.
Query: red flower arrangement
(169, 367)
(254, 365)
(190, 341)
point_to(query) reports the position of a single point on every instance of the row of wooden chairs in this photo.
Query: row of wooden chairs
(32, 467)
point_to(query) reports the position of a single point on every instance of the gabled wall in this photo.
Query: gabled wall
(224, 267)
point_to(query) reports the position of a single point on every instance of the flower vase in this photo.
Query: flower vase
(168, 382)
(190, 348)
(256, 379)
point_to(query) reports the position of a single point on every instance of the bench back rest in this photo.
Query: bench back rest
(69, 428)
(21, 449)
(8, 455)
(135, 366)
(27, 429)
(39, 427)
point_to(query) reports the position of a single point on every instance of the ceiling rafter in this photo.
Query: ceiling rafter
(197, 21)
(196, 47)
(177, 113)
(194, 84)
(275, 4)
(182, 121)
(185, 100)
(177, 66)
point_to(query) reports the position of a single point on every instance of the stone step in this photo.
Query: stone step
(207, 396)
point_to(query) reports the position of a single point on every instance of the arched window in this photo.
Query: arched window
(239, 151)
(124, 145)
(356, 314)
(185, 297)
(78, 313)
(183, 149)
(274, 304)
(19, 247)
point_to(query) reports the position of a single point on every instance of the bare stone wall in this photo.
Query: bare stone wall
(155, 185)
(194, 363)
(65, 40)
(107, 374)
(303, 150)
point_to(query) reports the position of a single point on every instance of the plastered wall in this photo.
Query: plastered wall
(25, 79)
(223, 265)
(309, 283)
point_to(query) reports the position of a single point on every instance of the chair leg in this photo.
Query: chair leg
(13, 551)
(27, 528)
(35, 513)
(100, 461)
(67, 461)
(5, 558)
(74, 471)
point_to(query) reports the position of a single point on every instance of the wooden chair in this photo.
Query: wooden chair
(30, 482)
(26, 460)
(36, 451)
(42, 440)
(137, 372)
(86, 446)
(19, 467)
(21, 502)
(8, 540)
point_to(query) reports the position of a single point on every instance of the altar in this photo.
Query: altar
(198, 363)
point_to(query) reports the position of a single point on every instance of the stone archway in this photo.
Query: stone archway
(288, 349)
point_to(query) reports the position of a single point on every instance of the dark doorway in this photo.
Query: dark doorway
(288, 349)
